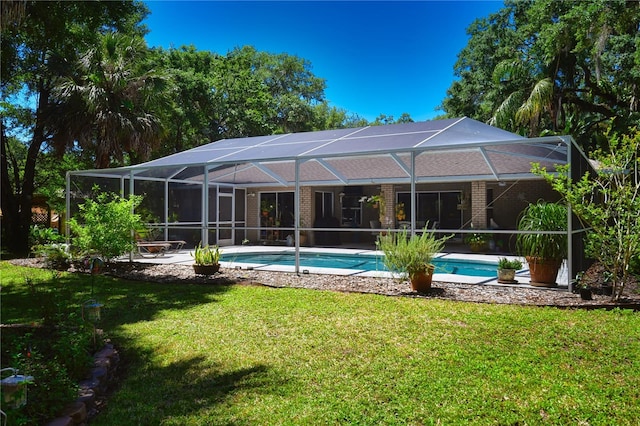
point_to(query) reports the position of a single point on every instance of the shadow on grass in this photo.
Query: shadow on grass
(25, 290)
(180, 388)
(192, 387)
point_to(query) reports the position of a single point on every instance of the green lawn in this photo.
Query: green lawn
(209, 355)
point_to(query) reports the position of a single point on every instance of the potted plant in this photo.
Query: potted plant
(400, 213)
(581, 287)
(207, 259)
(266, 208)
(507, 270)
(478, 242)
(376, 202)
(411, 255)
(544, 252)
(56, 256)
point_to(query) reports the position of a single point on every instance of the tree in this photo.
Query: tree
(107, 106)
(188, 116)
(547, 67)
(491, 40)
(36, 51)
(384, 119)
(328, 117)
(608, 203)
(105, 226)
(244, 93)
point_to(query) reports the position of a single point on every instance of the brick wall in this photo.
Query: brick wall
(478, 205)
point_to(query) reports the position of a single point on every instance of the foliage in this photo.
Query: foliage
(105, 226)
(41, 235)
(548, 67)
(244, 93)
(50, 177)
(56, 256)
(56, 355)
(580, 283)
(477, 238)
(608, 202)
(52, 389)
(377, 202)
(38, 51)
(400, 213)
(266, 206)
(107, 106)
(409, 254)
(384, 119)
(537, 219)
(504, 263)
(207, 255)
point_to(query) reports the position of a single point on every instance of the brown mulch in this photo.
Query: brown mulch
(499, 294)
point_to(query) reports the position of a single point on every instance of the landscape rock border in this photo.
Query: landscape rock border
(479, 293)
(92, 391)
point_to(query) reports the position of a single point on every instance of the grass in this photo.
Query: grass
(209, 355)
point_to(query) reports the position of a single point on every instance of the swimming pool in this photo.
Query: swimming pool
(359, 262)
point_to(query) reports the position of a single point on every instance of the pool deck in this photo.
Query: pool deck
(183, 257)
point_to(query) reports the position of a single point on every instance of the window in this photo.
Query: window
(324, 204)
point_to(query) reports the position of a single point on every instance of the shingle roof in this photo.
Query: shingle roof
(444, 150)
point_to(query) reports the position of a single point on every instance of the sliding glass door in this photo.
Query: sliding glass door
(277, 210)
(438, 209)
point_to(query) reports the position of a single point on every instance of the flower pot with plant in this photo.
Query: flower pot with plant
(411, 255)
(544, 252)
(581, 287)
(207, 259)
(376, 202)
(266, 208)
(507, 270)
(478, 242)
(57, 256)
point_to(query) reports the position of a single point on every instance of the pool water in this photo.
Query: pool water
(361, 262)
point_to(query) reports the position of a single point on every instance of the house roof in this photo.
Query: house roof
(460, 149)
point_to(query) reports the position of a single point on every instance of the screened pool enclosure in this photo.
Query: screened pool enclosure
(342, 187)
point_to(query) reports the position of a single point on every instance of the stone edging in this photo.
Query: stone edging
(105, 364)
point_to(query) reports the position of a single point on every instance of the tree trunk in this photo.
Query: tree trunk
(9, 201)
(17, 199)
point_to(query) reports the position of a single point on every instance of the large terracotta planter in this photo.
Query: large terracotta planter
(544, 272)
(206, 269)
(421, 281)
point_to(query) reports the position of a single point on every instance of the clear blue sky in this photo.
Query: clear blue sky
(376, 57)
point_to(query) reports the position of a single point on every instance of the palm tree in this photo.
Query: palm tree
(108, 107)
(523, 107)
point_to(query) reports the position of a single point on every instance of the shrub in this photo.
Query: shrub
(105, 226)
(608, 202)
(41, 235)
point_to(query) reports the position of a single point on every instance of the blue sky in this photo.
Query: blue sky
(376, 57)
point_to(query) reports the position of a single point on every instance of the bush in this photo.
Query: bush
(56, 352)
(607, 202)
(105, 226)
(52, 389)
